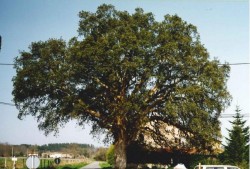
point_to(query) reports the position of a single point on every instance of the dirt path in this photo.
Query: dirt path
(93, 165)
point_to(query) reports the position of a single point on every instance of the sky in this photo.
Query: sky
(223, 26)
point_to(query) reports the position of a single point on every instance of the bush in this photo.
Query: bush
(110, 155)
(100, 154)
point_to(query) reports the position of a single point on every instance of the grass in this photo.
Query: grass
(72, 166)
(20, 163)
(105, 165)
(44, 164)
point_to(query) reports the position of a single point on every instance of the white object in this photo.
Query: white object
(14, 159)
(33, 162)
(180, 166)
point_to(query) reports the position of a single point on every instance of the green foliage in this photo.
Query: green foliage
(209, 161)
(123, 72)
(110, 155)
(105, 166)
(61, 146)
(237, 148)
(100, 154)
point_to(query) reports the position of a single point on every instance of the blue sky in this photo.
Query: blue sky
(223, 27)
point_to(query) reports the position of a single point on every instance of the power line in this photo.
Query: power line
(234, 64)
(8, 104)
(6, 64)
(232, 115)
(239, 64)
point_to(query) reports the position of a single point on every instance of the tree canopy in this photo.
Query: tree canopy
(122, 72)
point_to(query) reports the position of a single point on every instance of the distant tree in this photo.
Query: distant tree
(33, 149)
(74, 149)
(123, 72)
(237, 147)
(86, 152)
(100, 154)
(5, 150)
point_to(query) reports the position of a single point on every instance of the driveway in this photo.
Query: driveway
(93, 165)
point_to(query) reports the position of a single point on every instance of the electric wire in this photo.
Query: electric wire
(8, 104)
(7, 64)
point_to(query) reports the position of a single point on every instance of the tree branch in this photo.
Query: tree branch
(99, 82)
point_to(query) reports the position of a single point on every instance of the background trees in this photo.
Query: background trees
(125, 71)
(237, 145)
(25, 149)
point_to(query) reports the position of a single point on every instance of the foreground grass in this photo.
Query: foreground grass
(105, 165)
(44, 164)
(72, 166)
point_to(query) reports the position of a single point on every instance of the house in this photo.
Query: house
(172, 137)
(161, 143)
(56, 155)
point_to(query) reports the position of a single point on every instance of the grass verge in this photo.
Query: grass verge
(72, 166)
(105, 165)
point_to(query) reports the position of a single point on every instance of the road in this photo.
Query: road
(94, 165)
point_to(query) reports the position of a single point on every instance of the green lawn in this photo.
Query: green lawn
(72, 166)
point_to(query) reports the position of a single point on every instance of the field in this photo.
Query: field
(7, 163)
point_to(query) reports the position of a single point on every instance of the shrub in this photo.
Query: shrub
(100, 154)
(110, 155)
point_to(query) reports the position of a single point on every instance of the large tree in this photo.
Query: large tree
(121, 73)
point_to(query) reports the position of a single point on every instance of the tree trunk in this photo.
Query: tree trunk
(120, 153)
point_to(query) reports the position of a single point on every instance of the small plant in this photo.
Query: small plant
(110, 155)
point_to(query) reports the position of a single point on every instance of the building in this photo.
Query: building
(172, 138)
(56, 155)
